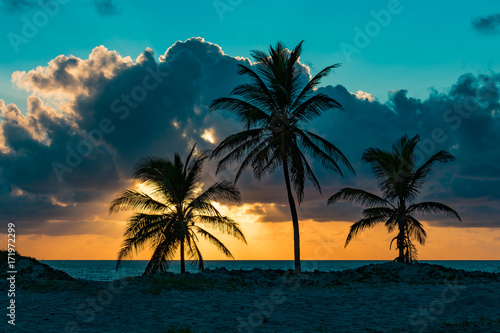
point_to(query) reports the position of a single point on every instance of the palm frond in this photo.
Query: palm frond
(197, 207)
(297, 170)
(359, 196)
(380, 211)
(258, 83)
(361, 225)
(309, 87)
(212, 239)
(258, 158)
(224, 224)
(244, 111)
(314, 107)
(224, 190)
(138, 241)
(330, 149)
(416, 230)
(131, 199)
(151, 168)
(162, 254)
(194, 252)
(143, 223)
(385, 167)
(433, 208)
(238, 143)
(423, 171)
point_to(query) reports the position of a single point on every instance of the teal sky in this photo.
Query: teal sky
(425, 44)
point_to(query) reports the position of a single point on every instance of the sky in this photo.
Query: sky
(88, 87)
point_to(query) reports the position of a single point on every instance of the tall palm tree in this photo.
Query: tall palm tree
(273, 106)
(171, 214)
(400, 182)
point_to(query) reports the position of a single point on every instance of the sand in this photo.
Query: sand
(377, 298)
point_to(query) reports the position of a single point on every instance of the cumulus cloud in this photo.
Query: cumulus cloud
(89, 120)
(487, 24)
(72, 76)
(115, 111)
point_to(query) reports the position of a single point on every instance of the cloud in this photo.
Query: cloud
(487, 24)
(103, 7)
(107, 7)
(360, 94)
(71, 76)
(88, 121)
(459, 120)
(18, 5)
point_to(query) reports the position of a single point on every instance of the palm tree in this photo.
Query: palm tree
(400, 182)
(273, 106)
(170, 214)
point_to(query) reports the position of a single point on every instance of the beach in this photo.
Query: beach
(388, 297)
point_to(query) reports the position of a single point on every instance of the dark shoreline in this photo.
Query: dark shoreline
(387, 297)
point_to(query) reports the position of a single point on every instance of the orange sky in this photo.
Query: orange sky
(274, 241)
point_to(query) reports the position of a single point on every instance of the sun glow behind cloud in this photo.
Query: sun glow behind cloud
(208, 135)
(274, 241)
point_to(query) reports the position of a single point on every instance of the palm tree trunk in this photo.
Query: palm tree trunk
(401, 243)
(295, 218)
(183, 264)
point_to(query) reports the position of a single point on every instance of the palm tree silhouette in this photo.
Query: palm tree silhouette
(400, 182)
(273, 106)
(172, 211)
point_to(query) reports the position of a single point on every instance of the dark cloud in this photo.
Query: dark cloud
(18, 5)
(465, 121)
(487, 24)
(64, 158)
(107, 7)
(104, 7)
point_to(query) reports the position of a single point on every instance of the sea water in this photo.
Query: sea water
(105, 270)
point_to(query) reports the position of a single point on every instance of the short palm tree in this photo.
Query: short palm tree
(400, 182)
(171, 214)
(273, 106)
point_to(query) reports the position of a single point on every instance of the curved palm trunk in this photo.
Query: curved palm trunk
(183, 264)
(295, 218)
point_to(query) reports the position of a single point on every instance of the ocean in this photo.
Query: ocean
(104, 270)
